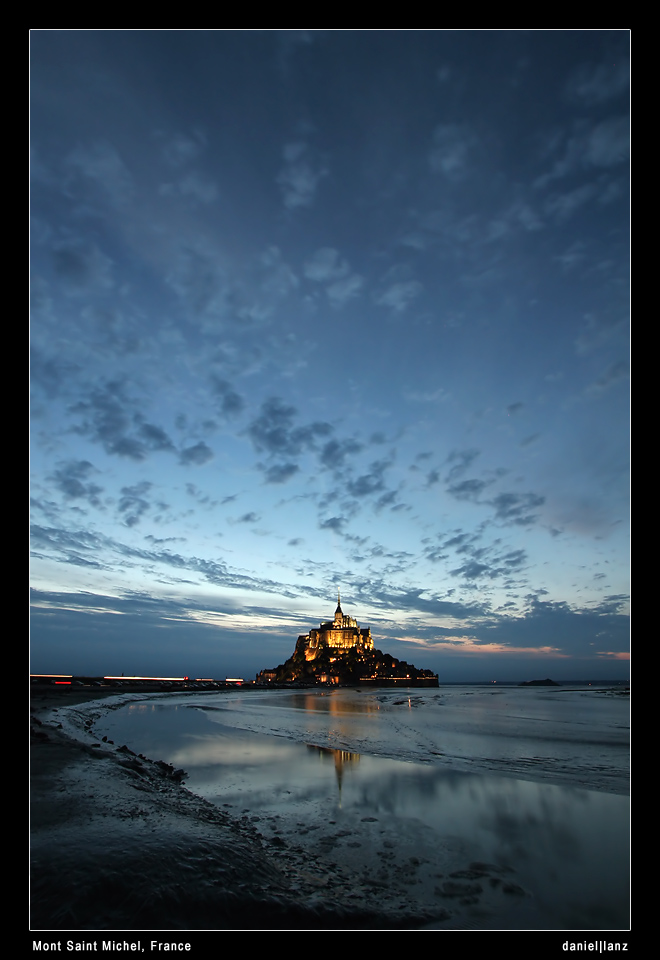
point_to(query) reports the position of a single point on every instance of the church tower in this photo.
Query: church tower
(339, 616)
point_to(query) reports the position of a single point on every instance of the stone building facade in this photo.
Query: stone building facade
(338, 635)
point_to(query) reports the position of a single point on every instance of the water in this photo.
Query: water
(532, 782)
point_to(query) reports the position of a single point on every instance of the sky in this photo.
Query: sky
(330, 310)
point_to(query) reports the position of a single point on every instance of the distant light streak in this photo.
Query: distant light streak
(147, 678)
(52, 676)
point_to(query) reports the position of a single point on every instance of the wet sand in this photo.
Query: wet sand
(118, 843)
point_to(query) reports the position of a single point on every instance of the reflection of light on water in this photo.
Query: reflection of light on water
(339, 756)
(313, 702)
(134, 709)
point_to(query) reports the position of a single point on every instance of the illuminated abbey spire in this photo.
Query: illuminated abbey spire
(341, 634)
(339, 616)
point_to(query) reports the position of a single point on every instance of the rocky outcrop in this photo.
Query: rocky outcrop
(351, 667)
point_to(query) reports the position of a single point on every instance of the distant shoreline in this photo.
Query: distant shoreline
(91, 687)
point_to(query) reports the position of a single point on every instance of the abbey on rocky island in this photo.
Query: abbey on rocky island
(340, 651)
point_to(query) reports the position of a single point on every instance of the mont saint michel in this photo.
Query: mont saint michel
(339, 651)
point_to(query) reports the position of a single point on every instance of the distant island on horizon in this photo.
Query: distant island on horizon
(339, 651)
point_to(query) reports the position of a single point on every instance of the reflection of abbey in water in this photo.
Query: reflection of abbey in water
(340, 651)
(343, 759)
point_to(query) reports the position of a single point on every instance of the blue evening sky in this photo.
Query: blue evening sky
(330, 309)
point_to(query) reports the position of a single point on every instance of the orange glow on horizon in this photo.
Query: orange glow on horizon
(466, 645)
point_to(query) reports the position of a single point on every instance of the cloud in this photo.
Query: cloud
(608, 142)
(467, 489)
(516, 507)
(411, 599)
(276, 279)
(335, 452)
(371, 482)
(100, 165)
(325, 266)
(328, 268)
(84, 547)
(342, 291)
(248, 518)
(53, 375)
(600, 330)
(113, 419)
(453, 145)
(198, 278)
(593, 83)
(426, 396)
(196, 455)
(230, 402)
(194, 186)
(109, 415)
(572, 256)
(71, 479)
(562, 206)
(472, 570)
(334, 523)
(221, 294)
(461, 460)
(612, 375)
(289, 42)
(273, 431)
(603, 145)
(82, 267)
(300, 176)
(155, 437)
(518, 214)
(386, 500)
(132, 502)
(281, 472)
(484, 562)
(461, 541)
(181, 149)
(574, 631)
(398, 296)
